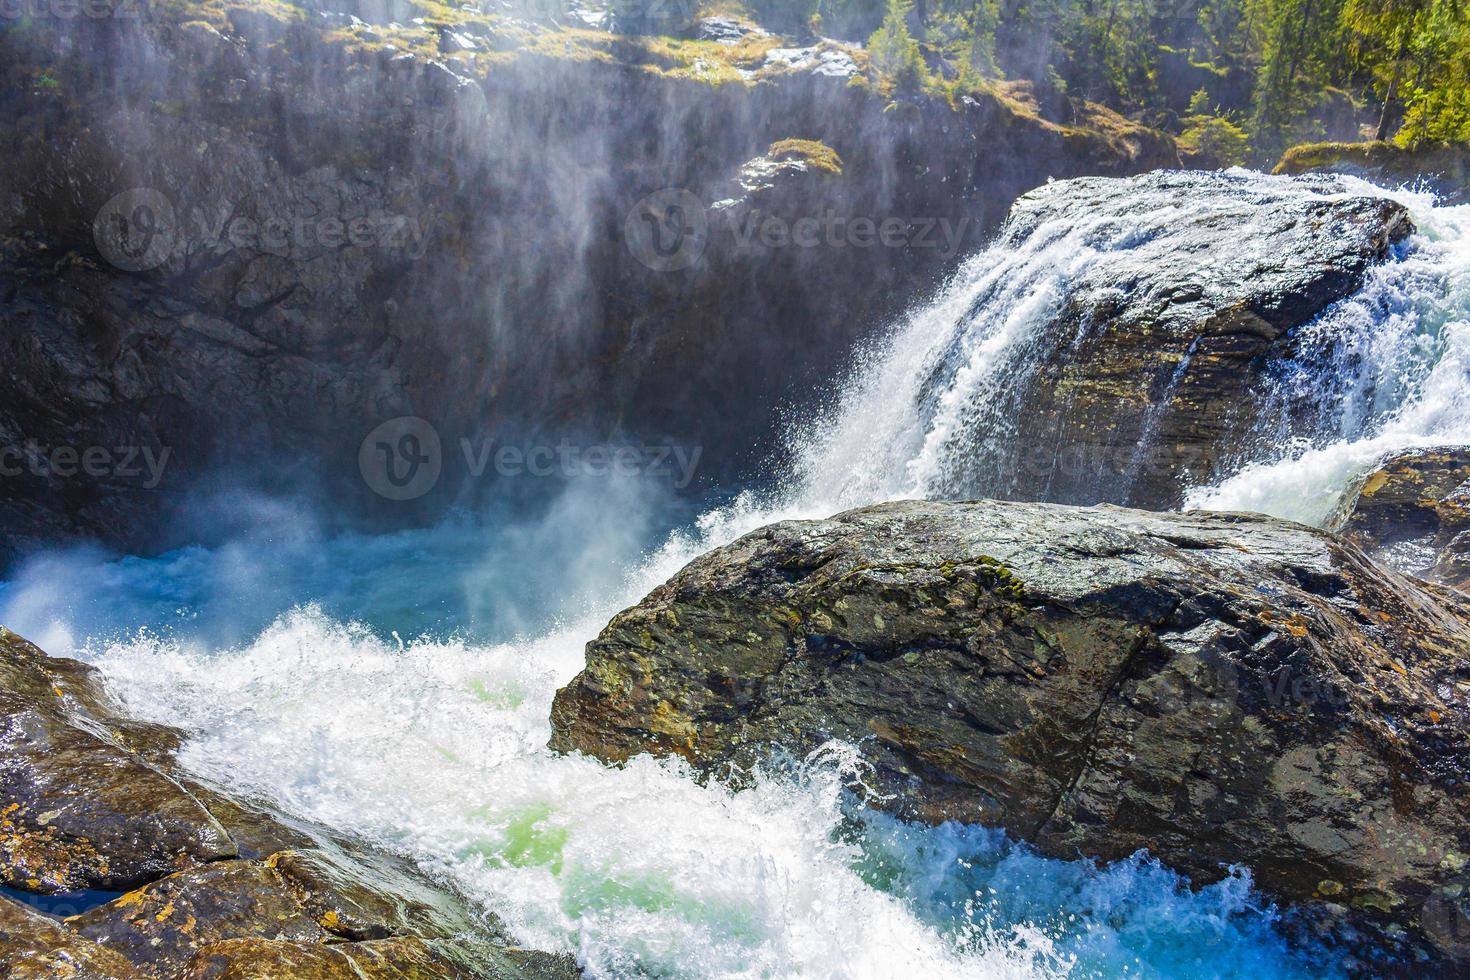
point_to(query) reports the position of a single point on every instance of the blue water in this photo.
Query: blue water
(397, 686)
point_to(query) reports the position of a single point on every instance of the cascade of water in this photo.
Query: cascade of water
(1384, 370)
(931, 411)
(436, 748)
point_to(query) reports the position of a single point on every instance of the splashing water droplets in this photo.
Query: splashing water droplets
(435, 746)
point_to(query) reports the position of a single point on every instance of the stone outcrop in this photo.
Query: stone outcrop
(356, 217)
(1441, 167)
(1145, 379)
(34, 946)
(1412, 512)
(1216, 688)
(92, 804)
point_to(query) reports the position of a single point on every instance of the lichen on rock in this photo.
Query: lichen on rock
(1215, 688)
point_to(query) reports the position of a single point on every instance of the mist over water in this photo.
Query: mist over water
(398, 686)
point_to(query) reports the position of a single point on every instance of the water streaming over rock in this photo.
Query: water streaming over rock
(1384, 370)
(419, 719)
(1154, 279)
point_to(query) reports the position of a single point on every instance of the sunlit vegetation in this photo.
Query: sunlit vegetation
(1273, 72)
(817, 156)
(1235, 81)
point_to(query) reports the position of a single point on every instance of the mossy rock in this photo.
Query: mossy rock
(1215, 688)
(1442, 167)
(817, 156)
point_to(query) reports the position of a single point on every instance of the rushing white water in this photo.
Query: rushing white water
(1384, 370)
(931, 410)
(399, 686)
(435, 748)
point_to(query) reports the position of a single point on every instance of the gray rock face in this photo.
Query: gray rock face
(1143, 381)
(1217, 688)
(491, 289)
(724, 30)
(1413, 513)
(91, 801)
(820, 60)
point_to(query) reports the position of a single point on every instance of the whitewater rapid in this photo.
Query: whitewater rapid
(398, 686)
(1386, 369)
(435, 748)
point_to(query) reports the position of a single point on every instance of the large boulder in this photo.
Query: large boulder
(92, 802)
(1216, 688)
(1166, 298)
(1412, 512)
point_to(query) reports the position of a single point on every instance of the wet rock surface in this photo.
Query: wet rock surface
(162, 924)
(132, 825)
(1412, 512)
(34, 946)
(1148, 368)
(92, 803)
(1216, 688)
(391, 959)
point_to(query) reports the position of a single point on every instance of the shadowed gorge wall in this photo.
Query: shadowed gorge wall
(363, 230)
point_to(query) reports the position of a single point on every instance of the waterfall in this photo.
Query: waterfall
(1384, 370)
(930, 410)
(282, 656)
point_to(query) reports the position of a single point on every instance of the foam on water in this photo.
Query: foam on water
(436, 749)
(399, 686)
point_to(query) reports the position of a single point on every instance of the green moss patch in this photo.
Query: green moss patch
(817, 156)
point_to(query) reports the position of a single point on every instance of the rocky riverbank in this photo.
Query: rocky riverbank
(1443, 168)
(119, 865)
(1218, 689)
